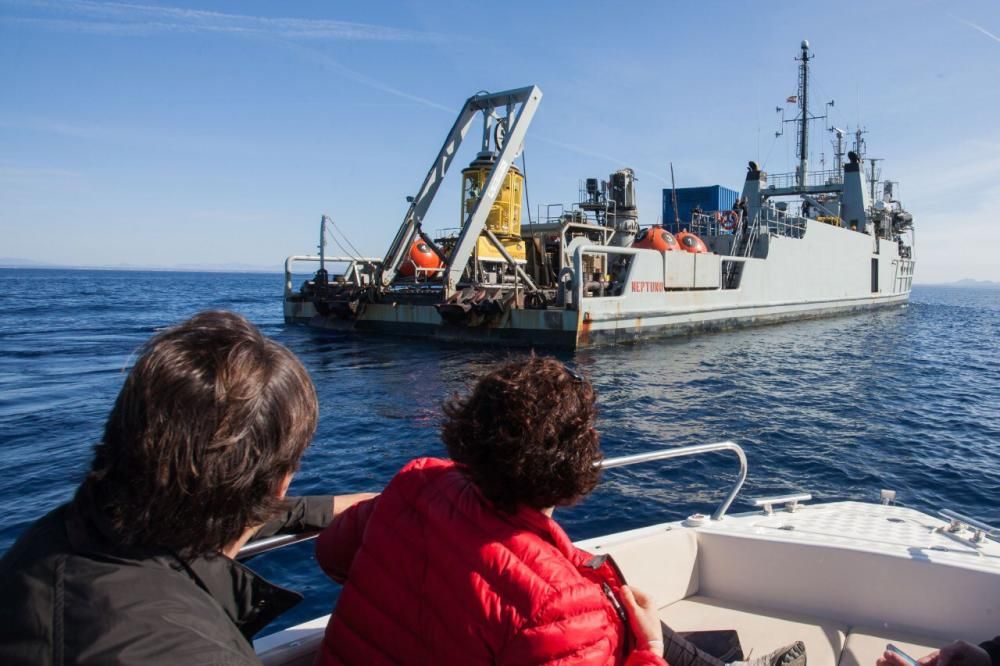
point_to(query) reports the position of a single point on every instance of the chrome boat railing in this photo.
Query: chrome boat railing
(271, 543)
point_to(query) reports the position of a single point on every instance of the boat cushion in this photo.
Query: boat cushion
(663, 565)
(865, 645)
(760, 630)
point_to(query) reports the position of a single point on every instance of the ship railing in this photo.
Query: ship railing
(714, 223)
(265, 545)
(783, 222)
(573, 290)
(353, 271)
(903, 274)
(751, 232)
(813, 179)
(553, 213)
(575, 275)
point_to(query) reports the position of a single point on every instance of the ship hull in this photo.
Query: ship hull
(825, 271)
(539, 328)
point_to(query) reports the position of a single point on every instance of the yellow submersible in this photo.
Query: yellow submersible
(505, 216)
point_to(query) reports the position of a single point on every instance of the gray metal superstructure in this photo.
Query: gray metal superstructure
(798, 245)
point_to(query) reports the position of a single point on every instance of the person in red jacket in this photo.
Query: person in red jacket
(460, 562)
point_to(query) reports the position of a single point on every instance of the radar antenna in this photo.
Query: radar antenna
(803, 117)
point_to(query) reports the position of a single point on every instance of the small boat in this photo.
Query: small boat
(846, 578)
(791, 246)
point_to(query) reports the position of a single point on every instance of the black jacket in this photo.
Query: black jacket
(993, 649)
(70, 594)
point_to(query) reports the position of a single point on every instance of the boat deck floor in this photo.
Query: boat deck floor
(845, 578)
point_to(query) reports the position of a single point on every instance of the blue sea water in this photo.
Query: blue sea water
(907, 399)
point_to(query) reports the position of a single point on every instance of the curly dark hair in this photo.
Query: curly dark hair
(526, 434)
(210, 422)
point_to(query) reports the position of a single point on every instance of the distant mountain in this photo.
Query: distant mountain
(974, 283)
(15, 262)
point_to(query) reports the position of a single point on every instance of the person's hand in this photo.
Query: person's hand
(892, 659)
(343, 502)
(644, 619)
(958, 653)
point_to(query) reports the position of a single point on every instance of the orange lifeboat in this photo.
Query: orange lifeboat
(656, 238)
(421, 256)
(691, 243)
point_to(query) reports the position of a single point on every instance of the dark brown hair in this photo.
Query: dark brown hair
(526, 434)
(210, 421)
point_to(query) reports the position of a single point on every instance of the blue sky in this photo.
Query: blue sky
(218, 133)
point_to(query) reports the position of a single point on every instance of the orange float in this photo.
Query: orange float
(691, 243)
(656, 238)
(421, 256)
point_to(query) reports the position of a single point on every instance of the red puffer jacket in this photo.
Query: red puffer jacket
(435, 575)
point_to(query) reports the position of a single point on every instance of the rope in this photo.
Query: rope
(333, 225)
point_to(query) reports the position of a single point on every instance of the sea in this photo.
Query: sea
(906, 399)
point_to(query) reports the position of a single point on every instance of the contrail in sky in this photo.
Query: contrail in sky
(363, 79)
(980, 28)
(583, 151)
(135, 19)
(115, 18)
(370, 82)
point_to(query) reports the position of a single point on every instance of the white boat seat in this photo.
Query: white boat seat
(760, 630)
(865, 645)
(664, 564)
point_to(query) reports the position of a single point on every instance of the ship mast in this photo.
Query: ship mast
(803, 138)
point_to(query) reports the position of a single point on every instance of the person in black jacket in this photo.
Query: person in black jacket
(196, 458)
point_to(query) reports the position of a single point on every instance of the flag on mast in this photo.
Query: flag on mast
(792, 99)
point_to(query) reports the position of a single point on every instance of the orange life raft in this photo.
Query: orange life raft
(656, 238)
(421, 256)
(691, 243)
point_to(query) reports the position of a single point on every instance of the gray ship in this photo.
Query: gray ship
(791, 246)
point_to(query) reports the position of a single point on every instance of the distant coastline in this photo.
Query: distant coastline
(10, 262)
(966, 282)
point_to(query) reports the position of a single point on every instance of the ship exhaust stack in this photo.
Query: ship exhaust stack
(623, 215)
(755, 182)
(855, 202)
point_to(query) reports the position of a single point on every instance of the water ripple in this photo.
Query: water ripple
(906, 399)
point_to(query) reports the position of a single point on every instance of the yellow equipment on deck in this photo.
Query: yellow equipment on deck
(505, 216)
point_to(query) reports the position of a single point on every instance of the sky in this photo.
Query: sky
(217, 133)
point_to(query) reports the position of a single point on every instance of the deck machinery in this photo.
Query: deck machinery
(473, 279)
(798, 245)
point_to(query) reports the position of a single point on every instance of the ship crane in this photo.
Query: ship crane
(506, 117)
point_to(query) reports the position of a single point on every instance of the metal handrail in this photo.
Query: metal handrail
(272, 543)
(684, 451)
(316, 258)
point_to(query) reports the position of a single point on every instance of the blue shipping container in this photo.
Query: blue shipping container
(710, 198)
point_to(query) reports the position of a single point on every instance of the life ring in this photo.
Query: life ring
(730, 220)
